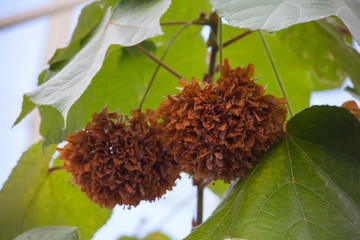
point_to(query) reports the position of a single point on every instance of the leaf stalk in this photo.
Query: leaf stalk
(275, 71)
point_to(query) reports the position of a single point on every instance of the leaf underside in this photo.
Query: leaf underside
(128, 24)
(50, 233)
(274, 15)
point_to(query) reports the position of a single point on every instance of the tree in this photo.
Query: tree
(127, 54)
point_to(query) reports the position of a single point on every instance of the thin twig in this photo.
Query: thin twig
(227, 43)
(209, 77)
(158, 66)
(275, 71)
(158, 62)
(353, 92)
(196, 22)
(220, 33)
(212, 64)
(51, 169)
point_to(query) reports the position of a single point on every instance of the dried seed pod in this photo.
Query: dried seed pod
(118, 160)
(217, 131)
(352, 107)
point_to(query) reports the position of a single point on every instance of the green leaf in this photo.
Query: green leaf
(156, 236)
(298, 77)
(347, 58)
(187, 54)
(294, 77)
(274, 15)
(323, 49)
(126, 73)
(306, 187)
(129, 23)
(119, 84)
(27, 107)
(33, 196)
(151, 236)
(89, 18)
(308, 42)
(50, 233)
(219, 188)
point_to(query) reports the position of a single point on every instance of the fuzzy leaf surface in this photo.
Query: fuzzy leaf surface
(34, 197)
(274, 15)
(126, 73)
(306, 187)
(50, 233)
(119, 84)
(131, 22)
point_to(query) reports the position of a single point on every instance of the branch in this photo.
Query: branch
(51, 169)
(200, 202)
(227, 43)
(213, 43)
(158, 62)
(158, 66)
(353, 92)
(221, 46)
(195, 22)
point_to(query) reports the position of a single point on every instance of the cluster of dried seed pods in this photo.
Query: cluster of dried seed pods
(211, 131)
(119, 160)
(216, 131)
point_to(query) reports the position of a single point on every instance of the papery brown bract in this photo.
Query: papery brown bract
(118, 160)
(352, 107)
(218, 131)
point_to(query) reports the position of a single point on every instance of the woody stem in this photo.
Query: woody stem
(158, 61)
(200, 202)
(51, 169)
(214, 49)
(220, 33)
(234, 39)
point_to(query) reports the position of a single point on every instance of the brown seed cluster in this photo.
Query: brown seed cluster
(118, 160)
(217, 131)
(352, 107)
(211, 131)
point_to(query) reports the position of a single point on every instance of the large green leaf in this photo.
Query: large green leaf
(299, 77)
(186, 55)
(126, 73)
(306, 187)
(294, 76)
(129, 23)
(119, 84)
(89, 18)
(50, 233)
(274, 15)
(323, 49)
(33, 196)
(219, 188)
